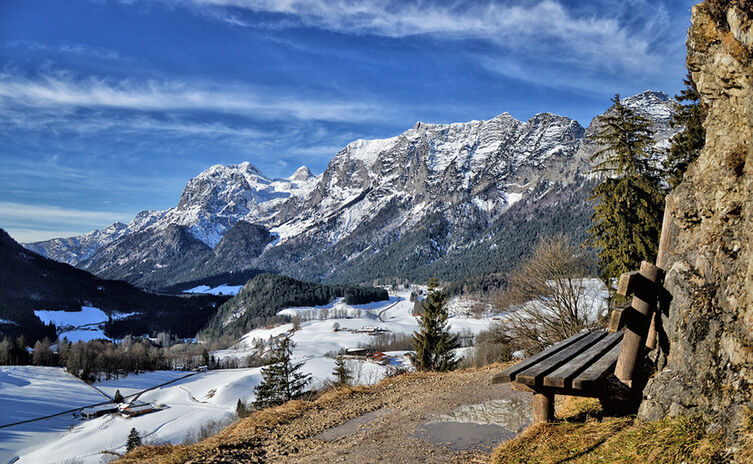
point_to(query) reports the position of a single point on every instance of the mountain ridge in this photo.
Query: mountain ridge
(394, 193)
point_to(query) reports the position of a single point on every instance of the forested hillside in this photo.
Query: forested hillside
(266, 294)
(29, 282)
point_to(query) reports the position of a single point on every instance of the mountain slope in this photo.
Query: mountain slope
(30, 282)
(437, 199)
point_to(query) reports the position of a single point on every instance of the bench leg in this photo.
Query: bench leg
(543, 407)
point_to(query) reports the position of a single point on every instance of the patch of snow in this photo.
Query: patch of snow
(223, 289)
(87, 316)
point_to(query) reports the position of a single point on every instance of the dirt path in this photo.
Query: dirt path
(430, 420)
(415, 418)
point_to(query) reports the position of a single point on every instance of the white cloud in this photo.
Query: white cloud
(32, 222)
(26, 235)
(544, 28)
(62, 89)
(68, 48)
(16, 213)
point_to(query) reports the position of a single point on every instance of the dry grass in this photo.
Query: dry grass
(585, 437)
(746, 436)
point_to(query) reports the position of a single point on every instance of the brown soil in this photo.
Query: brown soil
(386, 423)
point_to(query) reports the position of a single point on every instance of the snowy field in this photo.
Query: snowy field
(189, 403)
(84, 325)
(218, 290)
(29, 392)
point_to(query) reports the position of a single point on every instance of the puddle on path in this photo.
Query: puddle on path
(478, 427)
(352, 426)
(464, 436)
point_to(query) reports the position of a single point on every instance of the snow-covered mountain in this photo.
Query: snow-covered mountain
(434, 198)
(211, 204)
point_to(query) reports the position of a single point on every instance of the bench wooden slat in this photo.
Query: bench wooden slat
(508, 375)
(600, 369)
(563, 376)
(535, 374)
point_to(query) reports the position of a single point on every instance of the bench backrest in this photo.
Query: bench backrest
(635, 318)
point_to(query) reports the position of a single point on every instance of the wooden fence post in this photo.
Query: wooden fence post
(643, 287)
(664, 241)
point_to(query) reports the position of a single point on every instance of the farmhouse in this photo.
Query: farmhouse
(100, 410)
(135, 408)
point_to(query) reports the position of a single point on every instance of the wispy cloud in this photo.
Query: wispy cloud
(66, 48)
(26, 235)
(603, 38)
(31, 222)
(62, 89)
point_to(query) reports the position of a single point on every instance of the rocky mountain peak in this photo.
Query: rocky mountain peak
(656, 105)
(301, 174)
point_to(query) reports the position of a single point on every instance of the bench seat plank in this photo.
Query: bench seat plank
(600, 369)
(563, 376)
(508, 375)
(535, 374)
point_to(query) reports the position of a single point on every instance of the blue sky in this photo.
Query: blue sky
(107, 108)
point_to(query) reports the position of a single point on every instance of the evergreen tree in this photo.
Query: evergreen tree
(43, 355)
(629, 203)
(433, 343)
(282, 379)
(240, 409)
(133, 441)
(341, 372)
(118, 397)
(688, 143)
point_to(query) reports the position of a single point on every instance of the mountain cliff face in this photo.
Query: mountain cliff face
(439, 199)
(707, 337)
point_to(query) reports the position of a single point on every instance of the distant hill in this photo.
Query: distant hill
(30, 282)
(266, 294)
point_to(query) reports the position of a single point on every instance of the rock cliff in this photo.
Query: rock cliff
(706, 341)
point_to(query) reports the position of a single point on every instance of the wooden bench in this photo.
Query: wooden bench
(597, 363)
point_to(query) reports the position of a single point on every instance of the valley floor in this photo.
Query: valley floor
(188, 404)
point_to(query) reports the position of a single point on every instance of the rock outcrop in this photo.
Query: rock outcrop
(706, 340)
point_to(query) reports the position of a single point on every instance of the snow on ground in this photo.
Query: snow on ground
(187, 404)
(28, 392)
(84, 325)
(87, 316)
(134, 383)
(192, 402)
(316, 340)
(219, 290)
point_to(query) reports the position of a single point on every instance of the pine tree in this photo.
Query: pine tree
(688, 143)
(118, 397)
(629, 203)
(341, 372)
(240, 409)
(133, 441)
(433, 343)
(282, 379)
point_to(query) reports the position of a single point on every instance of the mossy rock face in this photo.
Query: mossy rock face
(706, 341)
